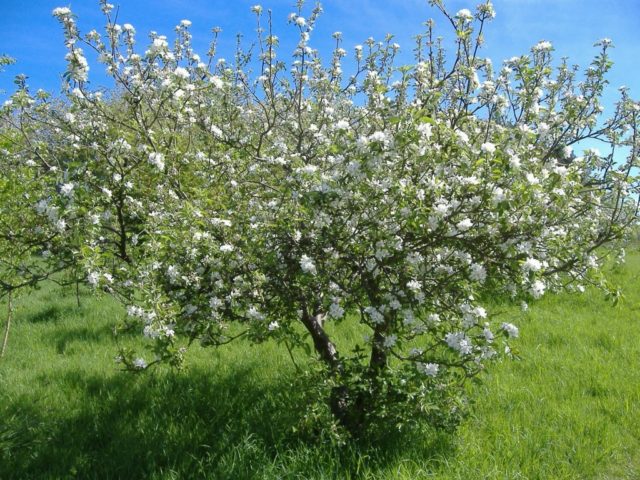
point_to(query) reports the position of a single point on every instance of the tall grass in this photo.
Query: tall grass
(568, 409)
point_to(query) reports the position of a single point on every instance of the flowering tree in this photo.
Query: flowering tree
(30, 249)
(219, 204)
(36, 205)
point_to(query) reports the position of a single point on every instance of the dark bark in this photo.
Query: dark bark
(77, 279)
(122, 233)
(378, 360)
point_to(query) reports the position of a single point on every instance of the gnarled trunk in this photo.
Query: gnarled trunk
(348, 407)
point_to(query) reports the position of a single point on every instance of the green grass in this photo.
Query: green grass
(569, 409)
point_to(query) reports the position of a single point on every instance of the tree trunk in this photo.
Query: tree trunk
(77, 290)
(7, 326)
(339, 400)
(378, 360)
(348, 407)
(323, 345)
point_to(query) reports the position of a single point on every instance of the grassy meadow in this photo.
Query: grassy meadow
(568, 409)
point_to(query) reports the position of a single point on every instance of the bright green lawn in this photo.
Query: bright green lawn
(570, 408)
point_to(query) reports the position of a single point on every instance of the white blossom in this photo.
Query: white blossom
(460, 342)
(61, 12)
(425, 130)
(428, 369)
(464, 14)
(67, 189)
(181, 72)
(342, 125)
(511, 330)
(488, 147)
(216, 81)
(157, 160)
(390, 341)
(464, 225)
(336, 311)
(543, 46)
(478, 273)
(140, 363)
(537, 289)
(375, 316)
(93, 278)
(531, 265)
(307, 265)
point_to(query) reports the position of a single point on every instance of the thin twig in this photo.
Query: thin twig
(7, 325)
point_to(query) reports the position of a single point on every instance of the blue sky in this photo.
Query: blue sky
(32, 36)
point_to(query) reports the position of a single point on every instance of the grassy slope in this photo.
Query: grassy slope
(570, 408)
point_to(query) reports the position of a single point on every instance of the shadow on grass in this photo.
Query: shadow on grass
(50, 314)
(177, 425)
(63, 338)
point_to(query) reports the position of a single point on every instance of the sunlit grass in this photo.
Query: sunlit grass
(569, 408)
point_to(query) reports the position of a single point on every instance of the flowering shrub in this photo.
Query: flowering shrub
(220, 205)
